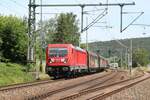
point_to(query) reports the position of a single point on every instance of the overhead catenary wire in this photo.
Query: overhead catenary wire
(131, 12)
(100, 16)
(46, 13)
(93, 10)
(104, 26)
(142, 25)
(133, 20)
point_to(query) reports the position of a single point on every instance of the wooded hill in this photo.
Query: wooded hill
(113, 48)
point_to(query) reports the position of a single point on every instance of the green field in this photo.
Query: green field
(11, 73)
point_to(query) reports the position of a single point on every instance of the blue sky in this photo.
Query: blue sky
(20, 8)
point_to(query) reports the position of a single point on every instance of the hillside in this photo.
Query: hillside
(112, 48)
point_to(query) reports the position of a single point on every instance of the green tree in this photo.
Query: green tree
(49, 28)
(67, 29)
(0, 39)
(140, 57)
(13, 38)
(62, 29)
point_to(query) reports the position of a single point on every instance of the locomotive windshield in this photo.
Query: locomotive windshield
(58, 52)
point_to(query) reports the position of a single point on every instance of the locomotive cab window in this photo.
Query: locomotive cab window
(58, 52)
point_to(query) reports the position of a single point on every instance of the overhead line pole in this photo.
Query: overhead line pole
(82, 12)
(131, 57)
(121, 8)
(31, 33)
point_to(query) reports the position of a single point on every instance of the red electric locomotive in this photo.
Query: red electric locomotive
(63, 60)
(66, 60)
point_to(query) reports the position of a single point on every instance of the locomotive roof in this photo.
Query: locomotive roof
(80, 49)
(61, 45)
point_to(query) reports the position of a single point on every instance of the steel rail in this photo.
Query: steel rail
(105, 95)
(28, 84)
(87, 91)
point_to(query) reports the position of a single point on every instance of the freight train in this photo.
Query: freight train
(66, 60)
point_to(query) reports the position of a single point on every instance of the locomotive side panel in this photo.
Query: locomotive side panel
(81, 59)
(78, 58)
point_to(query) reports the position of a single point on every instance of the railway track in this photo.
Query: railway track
(99, 80)
(17, 88)
(97, 88)
(28, 84)
(92, 85)
(115, 90)
(105, 90)
(112, 80)
(34, 83)
(44, 95)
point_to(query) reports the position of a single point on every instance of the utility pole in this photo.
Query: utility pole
(82, 13)
(41, 35)
(121, 60)
(130, 56)
(31, 56)
(126, 58)
(121, 8)
(87, 35)
(31, 33)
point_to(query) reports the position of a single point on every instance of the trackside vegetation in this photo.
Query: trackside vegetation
(13, 39)
(12, 73)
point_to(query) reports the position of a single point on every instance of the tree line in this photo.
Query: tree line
(14, 35)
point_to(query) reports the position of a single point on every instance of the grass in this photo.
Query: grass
(11, 73)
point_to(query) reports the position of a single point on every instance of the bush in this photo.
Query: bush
(13, 38)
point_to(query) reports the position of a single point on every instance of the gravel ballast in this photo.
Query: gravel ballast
(140, 91)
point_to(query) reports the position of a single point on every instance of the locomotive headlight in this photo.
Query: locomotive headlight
(64, 60)
(51, 60)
